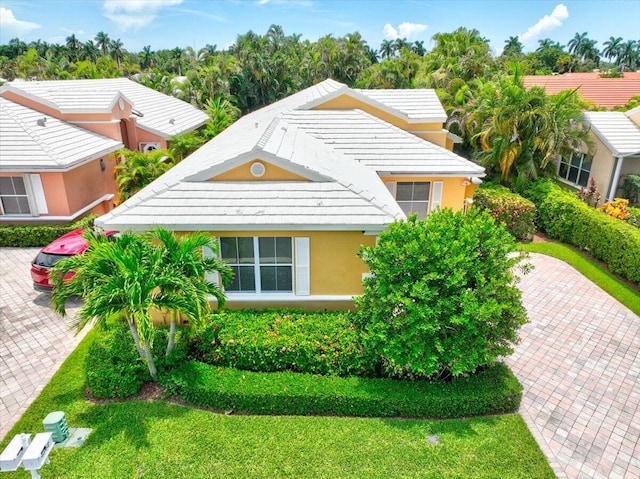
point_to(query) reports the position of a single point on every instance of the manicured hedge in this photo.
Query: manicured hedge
(283, 340)
(494, 390)
(564, 217)
(39, 235)
(514, 211)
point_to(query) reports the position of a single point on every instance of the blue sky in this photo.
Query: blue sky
(171, 23)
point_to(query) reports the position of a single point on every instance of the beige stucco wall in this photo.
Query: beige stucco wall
(272, 173)
(453, 191)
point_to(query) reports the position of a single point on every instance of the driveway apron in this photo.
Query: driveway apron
(579, 364)
(34, 341)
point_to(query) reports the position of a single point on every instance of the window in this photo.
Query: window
(13, 196)
(576, 169)
(413, 197)
(259, 264)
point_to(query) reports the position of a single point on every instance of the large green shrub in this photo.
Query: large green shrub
(39, 235)
(443, 297)
(564, 217)
(113, 367)
(283, 340)
(512, 210)
(491, 391)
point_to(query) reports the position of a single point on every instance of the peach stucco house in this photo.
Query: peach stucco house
(58, 141)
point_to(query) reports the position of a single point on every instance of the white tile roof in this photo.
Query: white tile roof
(617, 131)
(416, 104)
(88, 96)
(338, 151)
(52, 145)
(380, 145)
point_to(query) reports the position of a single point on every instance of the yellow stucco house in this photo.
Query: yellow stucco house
(293, 190)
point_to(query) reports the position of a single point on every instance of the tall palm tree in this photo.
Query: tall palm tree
(512, 46)
(418, 48)
(177, 54)
(611, 47)
(89, 52)
(125, 279)
(629, 55)
(146, 57)
(207, 52)
(387, 49)
(185, 257)
(576, 42)
(103, 42)
(74, 45)
(116, 50)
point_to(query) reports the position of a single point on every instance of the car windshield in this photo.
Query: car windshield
(47, 260)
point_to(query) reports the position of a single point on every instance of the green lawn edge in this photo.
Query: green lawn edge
(601, 277)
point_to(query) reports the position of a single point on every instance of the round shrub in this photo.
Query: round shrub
(113, 367)
(515, 212)
(443, 298)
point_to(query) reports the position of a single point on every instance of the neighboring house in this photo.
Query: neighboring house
(294, 189)
(58, 141)
(602, 92)
(616, 152)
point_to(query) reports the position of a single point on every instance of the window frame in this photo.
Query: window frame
(568, 163)
(26, 186)
(257, 264)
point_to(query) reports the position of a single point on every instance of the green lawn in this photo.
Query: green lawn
(600, 276)
(139, 439)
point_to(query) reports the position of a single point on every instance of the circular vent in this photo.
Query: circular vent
(257, 169)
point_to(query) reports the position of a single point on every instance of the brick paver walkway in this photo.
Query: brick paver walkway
(34, 341)
(579, 363)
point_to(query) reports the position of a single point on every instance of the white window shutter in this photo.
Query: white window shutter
(38, 193)
(302, 267)
(391, 186)
(436, 201)
(211, 277)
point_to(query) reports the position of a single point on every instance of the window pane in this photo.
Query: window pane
(405, 206)
(575, 160)
(267, 250)
(562, 172)
(245, 250)
(235, 284)
(247, 278)
(404, 191)
(6, 186)
(23, 205)
(268, 278)
(584, 178)
(573, 174)
(421, 191)
(586, 165)
(228, 250)
(284, 252)
(284, 278)
(10, 205)
(18, 185)
(420, 209)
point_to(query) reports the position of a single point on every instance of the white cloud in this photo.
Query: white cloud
(546, 23)
(405, 30)
(135, 13)
(9, 22)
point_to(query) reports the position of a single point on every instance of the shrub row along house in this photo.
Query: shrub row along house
(293, 190)
(59, 142)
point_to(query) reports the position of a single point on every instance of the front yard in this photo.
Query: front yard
(154, 439)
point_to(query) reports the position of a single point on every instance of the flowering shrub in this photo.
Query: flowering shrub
(515, 212)
(616, 208)
(281, 340)
(590, 195)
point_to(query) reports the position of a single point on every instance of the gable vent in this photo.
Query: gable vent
(257, 169)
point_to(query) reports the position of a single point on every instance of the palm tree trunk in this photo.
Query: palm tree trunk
(136, 338)
(172, 334)
(152, 365)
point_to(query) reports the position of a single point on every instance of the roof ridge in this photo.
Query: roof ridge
(268, 132)
(30, 130)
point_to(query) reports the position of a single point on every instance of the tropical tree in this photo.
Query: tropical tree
(387, 49)
(520, 133)
(418, 48)
(89, 52)
(103, 42)
(146, 57)
(512, 47)
(116, 50)
(74, 45)
(138, 169)
(185, 256)
(575, 44)
(629, 55)
(221, 115)
(124, 279)
(611, 47)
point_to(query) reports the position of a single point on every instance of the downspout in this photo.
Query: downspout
(616, 179)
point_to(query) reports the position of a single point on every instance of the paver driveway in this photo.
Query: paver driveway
(34, 341)
(579, 364)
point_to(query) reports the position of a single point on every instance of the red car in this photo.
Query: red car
(67, 245)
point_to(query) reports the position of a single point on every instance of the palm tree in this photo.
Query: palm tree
(116, 50)
(89, 52)
(512, 46)
(74, 45)
(576, 42)
(207, 52)
(103, 42)
(177, 54)
(185, 257)
(125, 279)
(629, 55)
(221, 115)
(138, 169)
(146, 57)
(611, 47)
(418, 48)
(387, 49)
